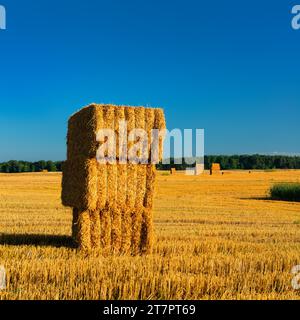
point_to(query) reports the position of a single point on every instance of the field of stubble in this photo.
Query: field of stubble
(217, 237)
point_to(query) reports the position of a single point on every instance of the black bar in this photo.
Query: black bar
(146, 309)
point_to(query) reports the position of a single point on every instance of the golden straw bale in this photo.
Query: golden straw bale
(112, 187)
(81, 138)
(105, 216)
(109, 123)
(95, 229)
(84, 125)
(131, 168)
(126, 231)
(116, 229)
(136, 217)
(112, 202)
(79, 183)
(119, 119)
(121, 185)
(131, 185)
(130, 118)
(141, 185)
(101, 186)
(140, 139)
(150, 186)
(160, 124)
(98, 117)
(149, 125)
(147, 234)
(84, 231)
(215, 168)
(137, 214)
(75, 224)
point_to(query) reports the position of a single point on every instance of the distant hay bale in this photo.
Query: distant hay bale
(112, 202)
(173, 171)
(215, 168)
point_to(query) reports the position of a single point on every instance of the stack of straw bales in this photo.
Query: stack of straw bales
(215, 168)
(112, 202)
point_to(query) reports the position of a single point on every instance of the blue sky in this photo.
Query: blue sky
(230, 67)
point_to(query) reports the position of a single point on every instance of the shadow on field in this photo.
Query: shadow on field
(265, 198)
(36, 240)
(269, 199)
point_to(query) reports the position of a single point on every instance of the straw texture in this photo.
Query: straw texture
(112, 201)
(215, 168)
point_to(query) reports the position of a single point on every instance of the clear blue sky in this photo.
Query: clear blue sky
(230, 67)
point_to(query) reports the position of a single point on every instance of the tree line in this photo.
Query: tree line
(246, 162)
(14, 166)
(243, 162)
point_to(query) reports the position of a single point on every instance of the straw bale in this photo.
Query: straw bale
(101, 186)
(75, 224)
(126, 229)
(147, 234)
(160, 124)
(95, 229)
(79, 183)
(131, 185)
(84, 231)
(140, 139)
(112, 203)
(116, 229)
(81, 138)
(149, 125)
(136, 216)
(105, 216)
(150, 186)
(216, 166)
(119, 134)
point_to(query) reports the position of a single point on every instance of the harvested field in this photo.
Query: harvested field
(216, 237)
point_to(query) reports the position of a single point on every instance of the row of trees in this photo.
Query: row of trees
(249, 162)
(256, 161)
(14, 166)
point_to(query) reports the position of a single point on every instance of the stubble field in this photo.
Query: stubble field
(217, 237)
